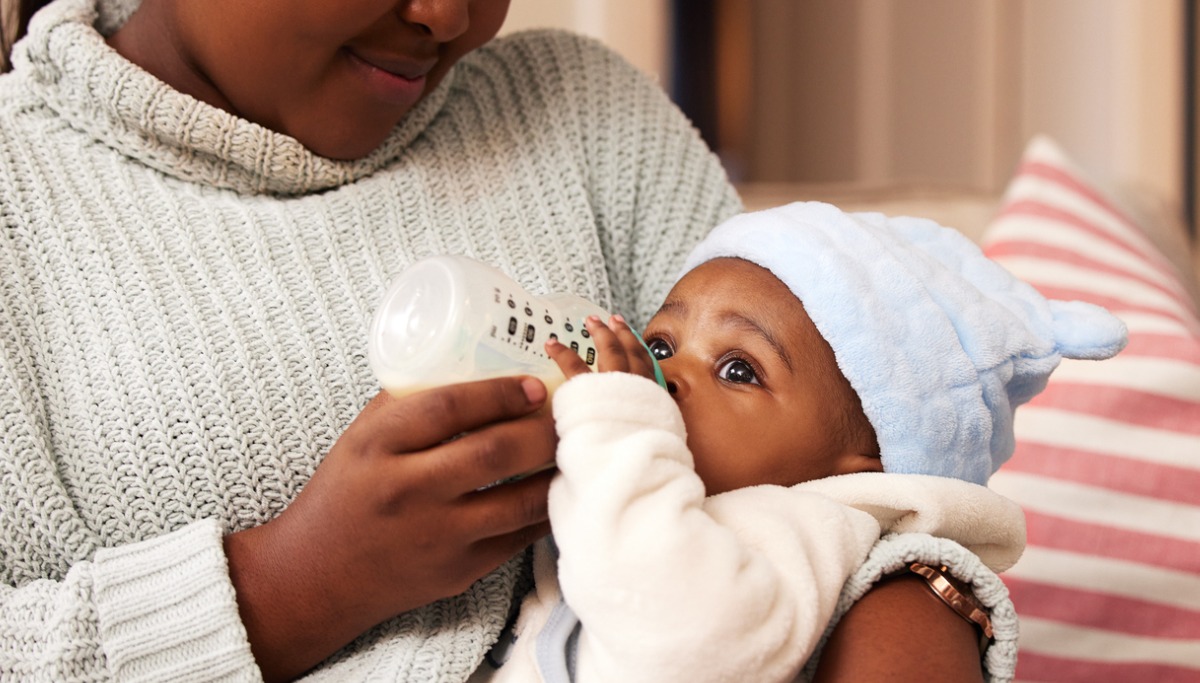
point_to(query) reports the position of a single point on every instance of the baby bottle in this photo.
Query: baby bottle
(449, 319)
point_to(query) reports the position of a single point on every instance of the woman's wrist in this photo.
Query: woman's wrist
(287, 606)
(958, 597)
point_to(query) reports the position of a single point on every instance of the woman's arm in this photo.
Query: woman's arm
(888, 619)
(152, 609)
(393, 519)
(900, 631)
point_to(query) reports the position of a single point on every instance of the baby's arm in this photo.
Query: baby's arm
(669, 585)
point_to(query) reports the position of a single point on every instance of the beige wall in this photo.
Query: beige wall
(1106, 78)
(637, 29)
(948, 92)
(925, 91)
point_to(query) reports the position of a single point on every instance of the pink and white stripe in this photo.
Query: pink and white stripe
(1107, 466)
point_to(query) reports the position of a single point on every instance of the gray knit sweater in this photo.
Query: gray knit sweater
(184, 310)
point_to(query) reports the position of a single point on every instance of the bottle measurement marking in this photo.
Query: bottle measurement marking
(523, 334)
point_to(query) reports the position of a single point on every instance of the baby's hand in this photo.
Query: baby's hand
(617, 350)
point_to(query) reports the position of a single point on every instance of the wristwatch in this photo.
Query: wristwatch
(963, 605)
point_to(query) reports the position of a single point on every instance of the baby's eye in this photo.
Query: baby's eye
(659, 349)
(738, 371)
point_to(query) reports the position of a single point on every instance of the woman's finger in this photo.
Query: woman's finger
(484, 457)
(493, 551)
(423, 420)
(502, 509)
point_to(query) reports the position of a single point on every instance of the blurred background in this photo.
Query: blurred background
(922, 95)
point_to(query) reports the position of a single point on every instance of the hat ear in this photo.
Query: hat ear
(1086, 331)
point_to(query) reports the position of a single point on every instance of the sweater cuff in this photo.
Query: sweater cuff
(168, 611)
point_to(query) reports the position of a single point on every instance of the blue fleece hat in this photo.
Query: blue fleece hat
(940, 343)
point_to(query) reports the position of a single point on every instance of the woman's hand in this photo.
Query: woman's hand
(398, 515)
(618, 349)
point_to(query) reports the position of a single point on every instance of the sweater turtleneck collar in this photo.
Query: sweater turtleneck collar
(96, 90)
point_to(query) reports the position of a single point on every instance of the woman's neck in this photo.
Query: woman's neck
(154, 38)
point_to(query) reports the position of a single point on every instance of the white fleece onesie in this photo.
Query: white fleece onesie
(671, 585)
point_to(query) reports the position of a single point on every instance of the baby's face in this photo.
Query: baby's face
(759, 388)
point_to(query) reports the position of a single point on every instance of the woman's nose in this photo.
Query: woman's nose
(442, 20)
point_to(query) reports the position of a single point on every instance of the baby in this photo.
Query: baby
(831, 378)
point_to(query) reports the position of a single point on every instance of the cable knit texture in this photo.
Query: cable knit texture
(184, 309)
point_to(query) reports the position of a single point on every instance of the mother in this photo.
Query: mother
(200, 203)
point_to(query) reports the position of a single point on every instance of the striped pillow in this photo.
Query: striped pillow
(1107, 465)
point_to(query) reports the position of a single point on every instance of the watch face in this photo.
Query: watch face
(963, 604)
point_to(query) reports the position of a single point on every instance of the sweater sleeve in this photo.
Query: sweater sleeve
(158, 610)
(656, 187)
(70, 609)
(663, 579)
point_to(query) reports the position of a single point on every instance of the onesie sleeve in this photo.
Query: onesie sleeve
(662, 579)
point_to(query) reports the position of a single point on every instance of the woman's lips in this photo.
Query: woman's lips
(396, 81)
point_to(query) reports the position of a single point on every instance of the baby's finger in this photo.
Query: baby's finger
(636, 353)
(610, 353)
(567, 360)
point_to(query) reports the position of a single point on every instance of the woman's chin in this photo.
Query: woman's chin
(344, 149)
(340, 136)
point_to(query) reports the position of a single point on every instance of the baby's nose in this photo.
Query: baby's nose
(676, 383)
(674, 375)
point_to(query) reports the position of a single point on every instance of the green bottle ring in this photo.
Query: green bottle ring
(658, 373)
